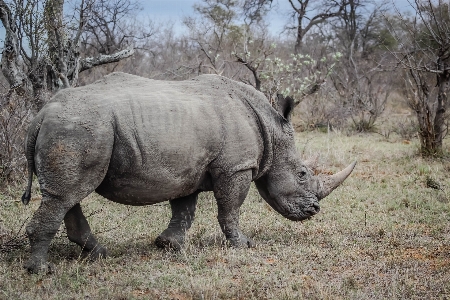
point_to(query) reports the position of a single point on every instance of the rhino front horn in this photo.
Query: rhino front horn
(328, 183)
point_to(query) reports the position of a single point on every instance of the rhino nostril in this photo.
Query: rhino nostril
(316, 206)
(313, 209)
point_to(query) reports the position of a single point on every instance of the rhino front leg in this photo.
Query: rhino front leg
(79, 232)
(183, 212)
(230, 193)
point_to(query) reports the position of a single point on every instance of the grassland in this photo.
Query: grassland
(383, 234)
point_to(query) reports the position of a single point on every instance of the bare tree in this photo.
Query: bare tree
(359, 79)
(301, 74)
(279, 71)
(171, 57)
(213, 32)
(14, 118)
(113, 27)
(254, 53)
(303, 22)
(425, 57)
(254, 11)
(41, 52)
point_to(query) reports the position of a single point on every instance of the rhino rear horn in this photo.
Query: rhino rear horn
(329, 183)
(312, 162)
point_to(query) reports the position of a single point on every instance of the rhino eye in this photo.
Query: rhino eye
(301, 175)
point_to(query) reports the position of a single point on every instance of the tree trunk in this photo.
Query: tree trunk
(299, 38)
(439, 119)
(426, 129)
(432, 130)
(11, 64)
(64, 53)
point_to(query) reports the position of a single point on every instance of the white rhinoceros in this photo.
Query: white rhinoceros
(138, 141)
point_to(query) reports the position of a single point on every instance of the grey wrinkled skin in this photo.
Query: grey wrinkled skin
(138, 141)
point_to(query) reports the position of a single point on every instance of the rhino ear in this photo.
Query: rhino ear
(285, 106)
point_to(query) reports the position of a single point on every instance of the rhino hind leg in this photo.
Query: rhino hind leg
(41, 230)
(67, 172)
(45, 223)
(183, 212)
(79, 232)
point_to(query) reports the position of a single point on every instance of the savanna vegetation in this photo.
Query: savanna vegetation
(370, 82)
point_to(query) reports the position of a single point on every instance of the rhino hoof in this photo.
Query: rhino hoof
(242, 242)
(34, 267)
(168, 243)
(98, 252)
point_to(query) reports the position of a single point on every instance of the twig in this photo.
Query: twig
(15, 242)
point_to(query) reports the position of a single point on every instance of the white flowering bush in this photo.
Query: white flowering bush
(294, 75)
(298, 76)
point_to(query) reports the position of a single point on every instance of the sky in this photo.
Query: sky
(175, 10)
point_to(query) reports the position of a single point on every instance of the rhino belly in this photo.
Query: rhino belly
(138, 188)
(151, 174)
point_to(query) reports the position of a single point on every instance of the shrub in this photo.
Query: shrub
(15, 114)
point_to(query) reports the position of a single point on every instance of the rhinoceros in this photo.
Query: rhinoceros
(139, 141)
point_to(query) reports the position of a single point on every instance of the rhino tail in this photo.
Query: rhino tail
(27, 194)
(30, 143)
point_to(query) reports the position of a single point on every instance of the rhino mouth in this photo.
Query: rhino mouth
(304, 212)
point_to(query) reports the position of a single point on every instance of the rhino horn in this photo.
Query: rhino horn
(328, 183)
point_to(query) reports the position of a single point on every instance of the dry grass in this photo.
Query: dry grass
(382, 234)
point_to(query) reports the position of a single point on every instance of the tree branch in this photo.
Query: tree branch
(252, 69)
(91, 62)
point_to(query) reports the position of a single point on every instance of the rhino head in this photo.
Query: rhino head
(290, 185)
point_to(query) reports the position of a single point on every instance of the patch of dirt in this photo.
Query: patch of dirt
(437, 258)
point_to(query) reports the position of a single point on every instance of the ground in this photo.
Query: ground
(384, 234)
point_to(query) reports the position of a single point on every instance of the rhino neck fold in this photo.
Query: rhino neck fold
(266, 135)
